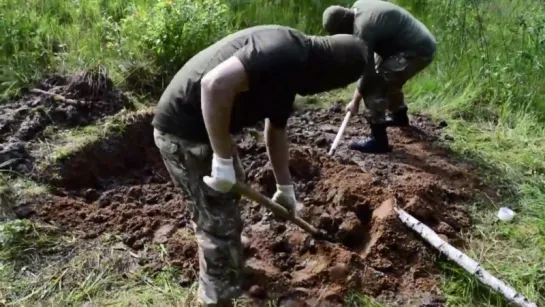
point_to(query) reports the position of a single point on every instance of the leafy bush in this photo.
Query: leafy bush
(173, 31)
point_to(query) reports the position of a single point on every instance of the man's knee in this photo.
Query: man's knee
(375, 109)
(400, 68)
(396, 99)
(217, 213)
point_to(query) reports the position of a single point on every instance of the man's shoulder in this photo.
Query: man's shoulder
(267, 29)
(367, 3)
(274, 43)
(378, 5)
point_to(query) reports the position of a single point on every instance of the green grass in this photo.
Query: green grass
(40, 264)
(509, 151)
(141, 42)
(487, 87)
(49, 267)
(486, 82)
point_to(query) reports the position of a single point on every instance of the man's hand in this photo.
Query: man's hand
(285, 196)
(223, 176)
(353, 107)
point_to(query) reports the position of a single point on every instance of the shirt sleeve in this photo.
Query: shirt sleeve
(282, 110)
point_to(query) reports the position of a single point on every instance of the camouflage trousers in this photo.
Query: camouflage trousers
(215, 217)
(395, 70)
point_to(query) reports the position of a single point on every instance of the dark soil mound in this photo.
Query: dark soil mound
(120, 185)
(58, 102)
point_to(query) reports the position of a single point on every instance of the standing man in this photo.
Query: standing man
(403, 47)
(246, 77)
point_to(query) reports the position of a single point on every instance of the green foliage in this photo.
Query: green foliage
(18, 237)
(142, 43)
(494, 46)
(305, 15)
(25, 44)
(171, 32)
(486, 81)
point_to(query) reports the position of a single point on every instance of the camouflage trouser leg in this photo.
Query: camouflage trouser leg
(396, 71)
(216, 218)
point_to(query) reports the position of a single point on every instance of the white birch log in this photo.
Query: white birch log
(58, 97)
(463, 260)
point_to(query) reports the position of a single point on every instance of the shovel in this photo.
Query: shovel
(279, 210)
(340, 133)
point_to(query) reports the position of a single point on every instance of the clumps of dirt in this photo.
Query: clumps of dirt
(350, 195)
(56, 103)
(132, 210)
(381, 254)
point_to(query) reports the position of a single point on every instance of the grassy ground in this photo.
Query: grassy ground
(487, 86)
(486, 81)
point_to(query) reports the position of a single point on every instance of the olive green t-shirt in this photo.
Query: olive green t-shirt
(280, 62)
(389, 29)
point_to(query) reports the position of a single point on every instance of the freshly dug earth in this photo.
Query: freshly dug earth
(349, 195)
(85, 98)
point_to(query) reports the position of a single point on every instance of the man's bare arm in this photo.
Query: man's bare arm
(218, 90)
(276, 140)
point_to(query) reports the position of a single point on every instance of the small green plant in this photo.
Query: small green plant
(21, 238)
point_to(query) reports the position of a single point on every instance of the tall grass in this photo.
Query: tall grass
(494, 46)
(141, 42)
(487, 80)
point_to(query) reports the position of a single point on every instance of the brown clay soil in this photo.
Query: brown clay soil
(36, 116)
(120, 185)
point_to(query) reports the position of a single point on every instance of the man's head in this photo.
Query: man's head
(335, 61)
(338, 20)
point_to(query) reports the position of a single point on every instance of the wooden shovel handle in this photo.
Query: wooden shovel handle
(247, 191)
(340, 133)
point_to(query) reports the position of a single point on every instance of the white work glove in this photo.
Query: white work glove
(223, 176)
(285, 196)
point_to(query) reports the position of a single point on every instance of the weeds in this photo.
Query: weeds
(90, 272)
(13, 190)
(19, 237)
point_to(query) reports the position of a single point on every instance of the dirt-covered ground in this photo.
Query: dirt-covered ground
(57, 103)
(120, 185)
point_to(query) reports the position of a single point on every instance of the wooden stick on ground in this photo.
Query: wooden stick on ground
(340, 133)
(463, 260)
(55, 96)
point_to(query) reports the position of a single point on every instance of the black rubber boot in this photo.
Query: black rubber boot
(398, 118)
(376, 143)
